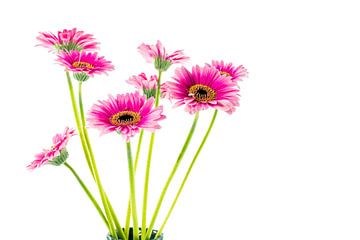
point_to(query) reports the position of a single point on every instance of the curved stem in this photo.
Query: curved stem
(88, 193)
(86, 151)
(128, 215)
(89, 160)
(173, 171)
(112, 216)
(148, 163)
(132, 190)
(187, 174)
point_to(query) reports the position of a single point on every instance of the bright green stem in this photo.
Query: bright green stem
(187, 174)
(148, 163)
(177, 163)
(146, 185)
(137, 156)
(132, 191)
(78, 123)
(128, 216)
(89, 160)
(113, 218)
(157, 98)
(88, 193)
(81, 106)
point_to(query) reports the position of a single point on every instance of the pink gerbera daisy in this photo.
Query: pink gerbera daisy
(125, 114)
(201, 88)
(67, 40)
(235, 72)
(142, 83)
(57, 154)
(158, 55)
(84, 64)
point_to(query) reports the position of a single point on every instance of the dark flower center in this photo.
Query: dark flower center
(125, 118)
(202, 93)
(82, 65)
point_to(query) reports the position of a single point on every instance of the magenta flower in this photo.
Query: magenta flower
(57, 154)
(84, 64)
(158, 55)
(125, 114)
(237, 73)
(67, 40)
(202, 88)
(142, 83)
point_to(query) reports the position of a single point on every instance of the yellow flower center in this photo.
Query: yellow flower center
(125, 118)
(82, 65)
(225, 73)
(202, 93)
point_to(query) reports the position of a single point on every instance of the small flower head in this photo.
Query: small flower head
(56, 154)
(84, 64)
(67, 40)
(125, 114)
(157, 54)
(142, 83)
(201, 88)
(237, 73)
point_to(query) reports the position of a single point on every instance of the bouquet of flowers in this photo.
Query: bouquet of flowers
(214, 85)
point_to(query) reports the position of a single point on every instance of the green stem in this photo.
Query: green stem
(148, 163)
(132, 191)
(89, 160)
(157, 98)
(113, 218)
(187, 174)
(88, 193)
(128, 216)
(137, 156)
(177, 163)
(84, 144)
(146, 185)
(78, 123)
(83, 122)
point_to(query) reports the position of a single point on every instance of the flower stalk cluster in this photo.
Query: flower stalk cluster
(213, 85)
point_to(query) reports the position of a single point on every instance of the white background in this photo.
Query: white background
(285, 165)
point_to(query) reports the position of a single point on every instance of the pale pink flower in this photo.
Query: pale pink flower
(125, 114)
(237, 73)
(67, 40)
(142, 83)
(158, 55)
(201, 88)
(56, 154)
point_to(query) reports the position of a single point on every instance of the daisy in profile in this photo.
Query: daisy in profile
(67, 40)
(125, 114)
(147, 85)
(158, 55)
(237, 73)
(56, 154)
(201, 88)
(84, 64)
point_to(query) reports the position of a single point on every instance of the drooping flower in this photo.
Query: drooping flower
(125, 114)
(201, 88)
(84, 64)
(142, 83)
(157, 54)
(237, 73)
(56, 154)
(67, 40)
